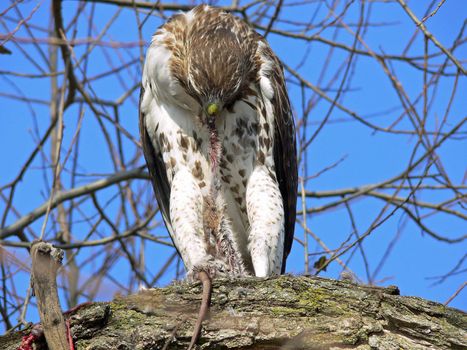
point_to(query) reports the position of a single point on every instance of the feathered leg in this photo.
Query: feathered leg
(266, 216)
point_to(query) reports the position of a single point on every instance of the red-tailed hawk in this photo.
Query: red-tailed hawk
(219, 141)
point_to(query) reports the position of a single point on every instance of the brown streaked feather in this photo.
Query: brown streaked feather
(218, 66)
(285, 152)
(233, 62)
(156, 168)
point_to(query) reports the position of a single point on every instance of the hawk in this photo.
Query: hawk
(219, 141)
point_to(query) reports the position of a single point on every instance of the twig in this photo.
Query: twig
(430, 36)
(71, 194)
(434, 11)
(456, 293)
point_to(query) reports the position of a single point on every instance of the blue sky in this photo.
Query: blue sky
(369, 157)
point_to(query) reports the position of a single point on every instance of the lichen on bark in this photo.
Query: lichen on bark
(288, 312)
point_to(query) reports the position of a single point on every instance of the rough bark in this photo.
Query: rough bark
(285, 312)
(45, 263)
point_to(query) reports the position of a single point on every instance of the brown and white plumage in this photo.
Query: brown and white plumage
(218, 137)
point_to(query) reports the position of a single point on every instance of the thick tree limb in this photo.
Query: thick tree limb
(285, 312)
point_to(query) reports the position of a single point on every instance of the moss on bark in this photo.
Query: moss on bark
(289, 312)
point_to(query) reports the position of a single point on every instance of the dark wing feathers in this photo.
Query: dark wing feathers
(156, 167)
(285, 153)
(285, 159)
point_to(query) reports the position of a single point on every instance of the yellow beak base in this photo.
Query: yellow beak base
(213, 109)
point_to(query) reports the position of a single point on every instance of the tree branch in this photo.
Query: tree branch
(285, 312)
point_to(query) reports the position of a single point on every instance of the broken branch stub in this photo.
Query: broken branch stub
(46, 259)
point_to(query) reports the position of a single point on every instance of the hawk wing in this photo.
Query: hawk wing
(156, 167)
(285, 153)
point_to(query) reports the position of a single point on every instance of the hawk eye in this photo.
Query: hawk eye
(212, 109)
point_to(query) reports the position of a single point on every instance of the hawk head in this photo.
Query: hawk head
(220, 64)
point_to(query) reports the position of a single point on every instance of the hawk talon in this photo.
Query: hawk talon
(212, 267)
